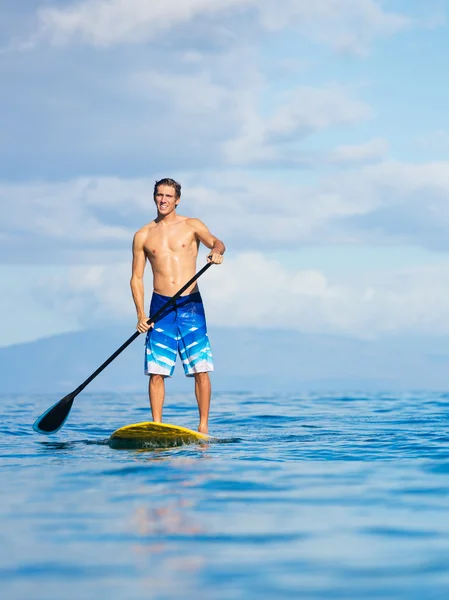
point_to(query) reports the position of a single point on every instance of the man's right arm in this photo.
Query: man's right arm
(137, 286)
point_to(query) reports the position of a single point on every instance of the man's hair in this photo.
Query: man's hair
(168, 181)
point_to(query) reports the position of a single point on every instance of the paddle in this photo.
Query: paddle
(54, 418)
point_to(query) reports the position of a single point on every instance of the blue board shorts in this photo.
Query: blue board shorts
(180, 329)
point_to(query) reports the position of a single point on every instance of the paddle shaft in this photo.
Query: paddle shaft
(136, 334)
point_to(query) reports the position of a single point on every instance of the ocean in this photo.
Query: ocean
(303, 496)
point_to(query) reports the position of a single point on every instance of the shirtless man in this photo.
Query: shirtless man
(170, 243)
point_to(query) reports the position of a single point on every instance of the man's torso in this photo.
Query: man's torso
(172, 250)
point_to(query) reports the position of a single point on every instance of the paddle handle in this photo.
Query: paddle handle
(136, 334)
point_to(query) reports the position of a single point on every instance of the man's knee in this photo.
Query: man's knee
(156, 379)
(201, 377)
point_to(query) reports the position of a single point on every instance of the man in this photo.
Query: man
(170, 244)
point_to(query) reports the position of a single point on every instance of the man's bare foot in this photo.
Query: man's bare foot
(203, 429)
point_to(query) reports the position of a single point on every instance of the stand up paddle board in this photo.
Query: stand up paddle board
(155, 435)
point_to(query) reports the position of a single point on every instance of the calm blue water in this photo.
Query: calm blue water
(308, 496)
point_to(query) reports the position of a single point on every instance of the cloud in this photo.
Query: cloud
(255, 291)
(200, 110)
(298, 114)
(389, 203)
(382, 204)
(53, 222)
(107, 22)
(435, 141)
(252, 290)
(346, 25)
(67, 221)
(408, 202)
(117, 115)
(350, 154)
(57, 211)
(110, 111)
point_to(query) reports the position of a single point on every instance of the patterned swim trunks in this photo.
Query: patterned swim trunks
(180, 329)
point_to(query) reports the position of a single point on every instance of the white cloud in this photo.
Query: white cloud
(264, 293)
(435, 141)
(194, 94)
(301, 112)
(314, 109)
(387, 203)
(346, 25)
(215, 102)
(54, 211)
(349, 25)
(123, 116)
(106, 22)
(251, 290)
(396, 184)
(349, 154)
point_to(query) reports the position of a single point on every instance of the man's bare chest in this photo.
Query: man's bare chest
(175, 239)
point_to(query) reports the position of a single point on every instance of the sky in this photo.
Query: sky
(312, 138)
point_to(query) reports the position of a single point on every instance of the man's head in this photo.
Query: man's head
(166, 194)
(170, 182)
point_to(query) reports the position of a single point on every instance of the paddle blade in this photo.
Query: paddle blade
(54, 418)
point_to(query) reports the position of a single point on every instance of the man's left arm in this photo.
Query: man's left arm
(210, 241)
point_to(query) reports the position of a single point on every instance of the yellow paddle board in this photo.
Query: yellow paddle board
(155, 435)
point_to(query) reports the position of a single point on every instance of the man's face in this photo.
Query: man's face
(165, 199)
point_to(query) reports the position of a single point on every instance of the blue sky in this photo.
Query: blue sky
(313, 138)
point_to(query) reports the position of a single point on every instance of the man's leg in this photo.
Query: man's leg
(202, 393)
(156, 390)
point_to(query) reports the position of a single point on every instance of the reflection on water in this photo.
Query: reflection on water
(158, 523)
(304, 496)
(172, 519)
